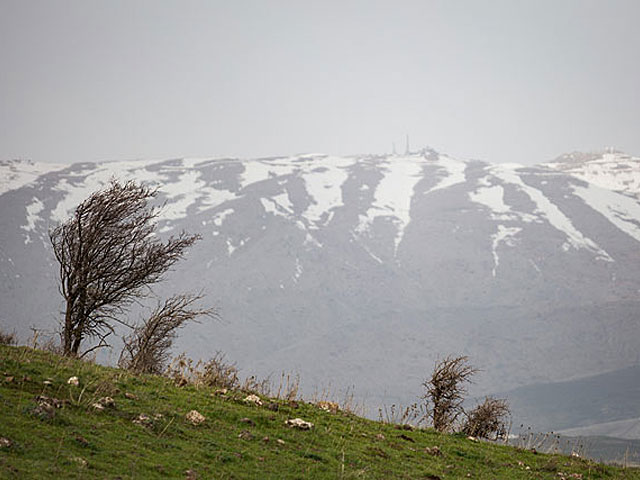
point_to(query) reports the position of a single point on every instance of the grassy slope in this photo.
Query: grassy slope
(80, 442)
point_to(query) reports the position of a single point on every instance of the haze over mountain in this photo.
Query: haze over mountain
(361, 271)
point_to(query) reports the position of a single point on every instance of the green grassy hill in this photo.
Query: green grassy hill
(52, 429)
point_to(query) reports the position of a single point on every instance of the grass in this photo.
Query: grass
(236, 440)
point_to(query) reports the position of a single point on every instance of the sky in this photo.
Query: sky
(497, 80)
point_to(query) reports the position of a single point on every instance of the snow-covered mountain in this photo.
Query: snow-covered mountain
(363, 270)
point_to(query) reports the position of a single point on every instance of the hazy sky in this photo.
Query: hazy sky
(500, 80)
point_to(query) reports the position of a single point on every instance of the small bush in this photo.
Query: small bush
(8, 338)
(488, 420)
(218, 372)
(445, 391)
(146, 350)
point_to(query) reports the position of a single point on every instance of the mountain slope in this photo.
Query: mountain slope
(363, 270)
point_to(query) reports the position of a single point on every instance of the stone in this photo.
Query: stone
(130, 396)
(50, 401)
(195, 418)
(331, 407)
(5, 442)
(107, 402)
(79, 460)
(253, 399)
(299, 423)
(245, 435)
(433, 451)
(142, 419)
(73, 381)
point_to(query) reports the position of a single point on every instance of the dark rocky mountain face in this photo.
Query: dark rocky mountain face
(361, 271)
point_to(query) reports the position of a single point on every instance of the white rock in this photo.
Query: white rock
(299, 423)
(107, 402)
(195, 418)
(73, 381)
(253, 399)
(142, 419)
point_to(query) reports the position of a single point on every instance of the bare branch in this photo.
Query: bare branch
(147, 349)
(108, 256)
(445, 391)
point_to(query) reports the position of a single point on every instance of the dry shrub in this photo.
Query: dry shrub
(218, 372)
(288, 387)
(146, 350)
(8, 338)
(252, 384)
(414, 414)
(445, 391)
(489, 419)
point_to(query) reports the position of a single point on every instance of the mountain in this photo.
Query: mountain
(361, 271)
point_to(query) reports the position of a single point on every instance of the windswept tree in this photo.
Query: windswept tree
(147, 349)
(109, 255)
(445, 390)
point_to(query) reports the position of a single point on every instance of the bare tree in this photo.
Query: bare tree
(108, 254)
(489, 419)
(445, 391)
(146, 350)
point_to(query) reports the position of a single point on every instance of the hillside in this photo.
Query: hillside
(236, 440)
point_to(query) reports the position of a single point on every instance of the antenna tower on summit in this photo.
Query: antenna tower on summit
(407, 151)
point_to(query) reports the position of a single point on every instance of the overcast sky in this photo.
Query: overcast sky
(499, 80)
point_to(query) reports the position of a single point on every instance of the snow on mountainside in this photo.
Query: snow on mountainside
(611, 169)
(363, 269)
(18, 173)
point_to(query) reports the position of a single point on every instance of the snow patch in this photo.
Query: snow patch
(621, 210)
(183, 192)
(503, 235)
(298, 271)
(392, 196)
(259, 170)
(549, 211)
(220, 217)
(324, 184)
(454, 172)
(611, 170)
(492, 198)
(15, 174)
(279, 205)
(33, 209)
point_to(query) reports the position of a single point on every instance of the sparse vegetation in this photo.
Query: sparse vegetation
(147, 349)
(112, 423)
